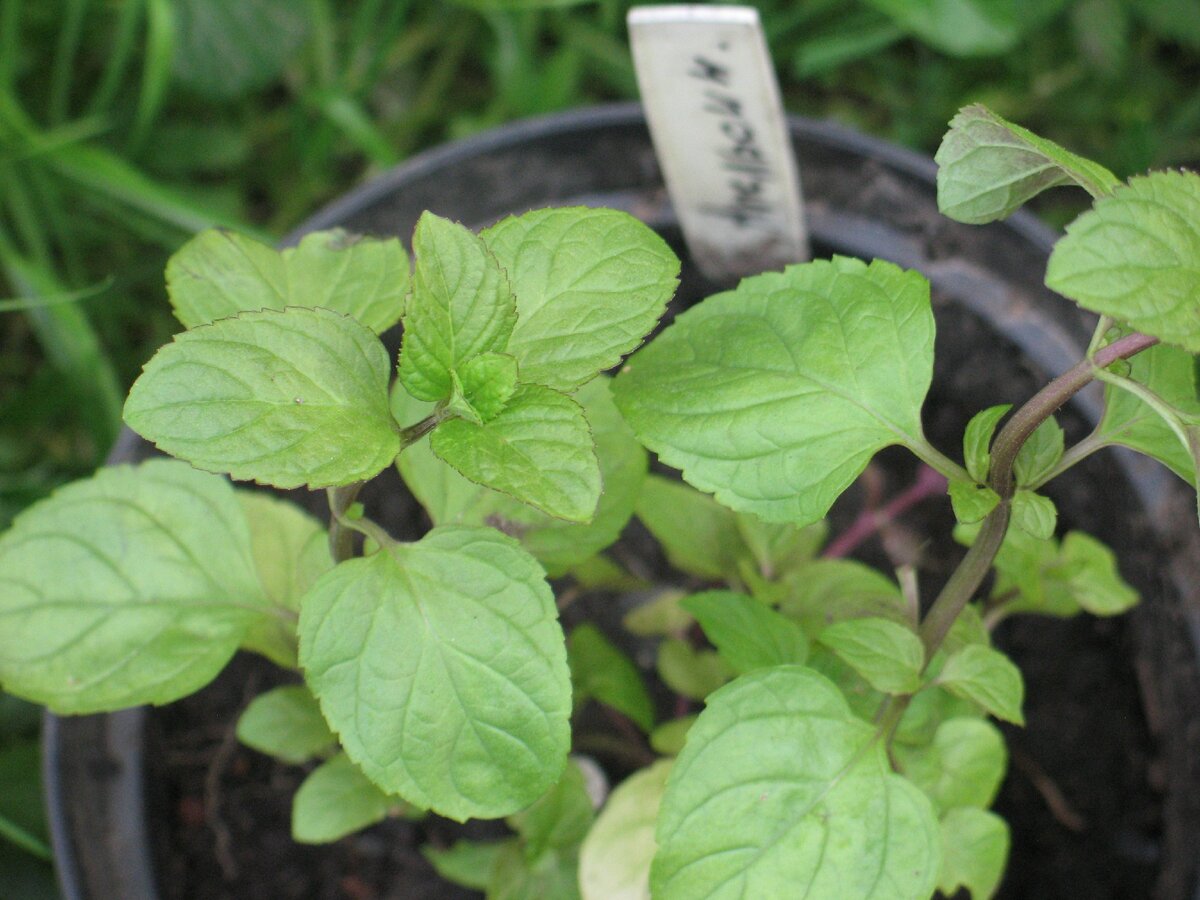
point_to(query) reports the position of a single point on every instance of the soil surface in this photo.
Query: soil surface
(1083, 793)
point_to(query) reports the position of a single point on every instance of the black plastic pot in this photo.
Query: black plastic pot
(865, 198)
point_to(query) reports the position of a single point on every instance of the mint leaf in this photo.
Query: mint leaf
(974, 852)
(989, 167)
(461, 306)
(614, 862)
(888, 655)
(335, 800)
(658, 615)
(962, 766)
(286, 723)
(601, 671)
(469, 863)
(218, 274)
(698, 535)
(971, 501)
(450, 499)
(1034, 514)
(284, 398)
(748, 634)
(153, 588)
(776, 395)
(1170, 373)
(977, 440)
(987, 677)
(831, 590)
(539, 450)
(487, 383)
(515, 876)
(590, 283)
(1091, 571)
(669, 737)
(1136, 257)
(291, 551)
(815, 804)
(471, 718)
(558, 819)
(1056, 579)
(690, 672)
(776, 548)
(1039, 454)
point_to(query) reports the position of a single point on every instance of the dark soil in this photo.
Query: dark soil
(1083, 794)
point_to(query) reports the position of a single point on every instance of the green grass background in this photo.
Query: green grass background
(128, 125)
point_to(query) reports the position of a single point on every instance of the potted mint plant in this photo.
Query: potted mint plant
(436, 673)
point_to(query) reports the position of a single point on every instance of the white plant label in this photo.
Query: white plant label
(717, 123)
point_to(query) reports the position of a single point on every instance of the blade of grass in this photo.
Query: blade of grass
(119, 56)
(28, 842)
(352, 120)
(64, 59)
(18, 304)
(70, 345)
(10, 44)
(156, 69)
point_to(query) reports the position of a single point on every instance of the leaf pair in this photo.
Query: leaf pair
(503, 326)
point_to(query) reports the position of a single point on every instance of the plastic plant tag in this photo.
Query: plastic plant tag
(717, 123)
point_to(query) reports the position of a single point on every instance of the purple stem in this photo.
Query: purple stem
(929, 483)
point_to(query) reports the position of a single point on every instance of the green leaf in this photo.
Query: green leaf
(977, 440)
(658, 615)
(1039, 454)
(989, 167)
(748, 634)
(291, 551)
(469, 863)
(601, 671)
(888, 655)
(987, 677)
(815, 804)
(614, 862)
(698, 535)
(335, 800)
(1136, 257)
(539, 450)
(461, 306)
(974, 852)
(1091, 571)
(471, 719)
(226, 48)
(286, 723)
(558, 819)
(284, 398)
(1058, 579)
(218, 274)
(668, 738)
(971, 501)
(451, 499)
(778, 549)
(1034, 514)
(1170, 373)
(832, 590)
(958, 27)
(515, 877)
(775, 396)
(22, 808)
(690, 672)
(962, 766)
(133, 586)
(590, 283)
(487, 383)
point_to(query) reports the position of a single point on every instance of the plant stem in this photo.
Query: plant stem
(927, 484)
(978, 561)
(341, 535)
